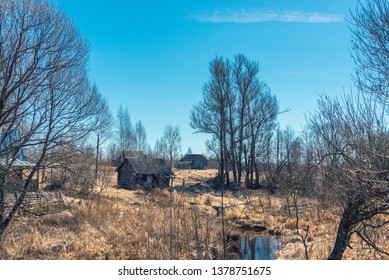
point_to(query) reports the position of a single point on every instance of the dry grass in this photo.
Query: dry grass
(137, 225)
(183, 224)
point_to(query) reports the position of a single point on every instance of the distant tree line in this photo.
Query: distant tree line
(128, 138)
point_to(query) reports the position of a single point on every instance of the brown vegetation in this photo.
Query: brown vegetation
(183, 224)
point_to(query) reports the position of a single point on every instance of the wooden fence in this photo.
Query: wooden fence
(39, 203)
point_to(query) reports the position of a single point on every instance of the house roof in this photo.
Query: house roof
(193, 157)
(17, 164)
(183, 163)
(148, 166)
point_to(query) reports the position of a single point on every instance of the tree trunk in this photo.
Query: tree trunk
(246, 181)
(346, 225)
(2, 195)
(227, 168)
(252, 160)
(241, 147)
(222, 187)
(257, 175)
(97, 156)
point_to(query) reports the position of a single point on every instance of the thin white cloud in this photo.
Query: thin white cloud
(252, 16)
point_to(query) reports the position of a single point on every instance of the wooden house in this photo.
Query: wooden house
(192, 161)
(148, 172)
(183, 164)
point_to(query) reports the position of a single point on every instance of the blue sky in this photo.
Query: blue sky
(153, 56)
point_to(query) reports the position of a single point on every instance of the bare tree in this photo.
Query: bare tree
(125, 135)
(171, 143)
(238, 111)
(354, 156)
(158, 149)
(358, 138)
(370, 39)
(261, 116)
(284, 168)
(103, 132)
(140, 136)
(113, 150)
(45, 95)
(246, 88)
(210, 115)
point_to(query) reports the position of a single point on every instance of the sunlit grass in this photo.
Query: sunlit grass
(159, 224)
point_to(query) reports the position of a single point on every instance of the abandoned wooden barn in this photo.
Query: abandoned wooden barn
(183, 164)
(192, 161)
(147, 172)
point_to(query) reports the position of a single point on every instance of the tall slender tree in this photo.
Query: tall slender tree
(210, 115)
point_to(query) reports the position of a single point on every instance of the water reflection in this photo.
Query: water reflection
(258, 247)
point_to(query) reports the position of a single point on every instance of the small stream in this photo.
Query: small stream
(259, 247)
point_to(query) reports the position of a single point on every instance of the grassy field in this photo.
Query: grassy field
(180, 224)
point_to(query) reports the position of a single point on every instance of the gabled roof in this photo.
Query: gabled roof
(148, 166)
(193, 157)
